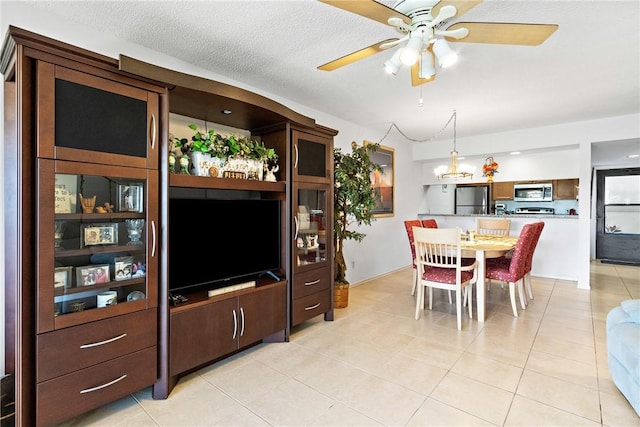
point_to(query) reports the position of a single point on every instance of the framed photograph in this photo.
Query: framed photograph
(123, 268)
(130, 197)
(385, 157)
(62, 277)
(92, 275)
(100, 234)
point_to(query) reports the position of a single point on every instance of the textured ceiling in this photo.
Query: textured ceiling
(588, 69)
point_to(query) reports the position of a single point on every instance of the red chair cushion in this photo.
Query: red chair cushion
(445, 275)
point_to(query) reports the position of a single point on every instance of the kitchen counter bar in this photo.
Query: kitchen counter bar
(555, 256)
(507, 216)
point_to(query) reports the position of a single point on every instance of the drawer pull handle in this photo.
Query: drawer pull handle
(96, 344)
(315, 282)
(312, 307)
(235, 324)
(92, 389)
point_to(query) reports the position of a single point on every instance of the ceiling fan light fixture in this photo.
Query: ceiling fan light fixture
(446, 56)
(427, 65)
(411, 52)
(392, 65)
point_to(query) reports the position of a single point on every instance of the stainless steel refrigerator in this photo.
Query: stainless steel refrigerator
(472, 200)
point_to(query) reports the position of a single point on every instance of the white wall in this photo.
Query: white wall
(548, 165)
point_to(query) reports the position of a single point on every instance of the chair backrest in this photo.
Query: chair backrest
(429, 223)
(538, 226)
(517, 268)
(408, 225)
(438, 247)
(493, 226)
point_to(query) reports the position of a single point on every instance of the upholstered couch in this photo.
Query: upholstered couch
(623, 348)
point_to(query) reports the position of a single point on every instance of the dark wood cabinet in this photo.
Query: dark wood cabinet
(312, 242)
(88, 318)
(225, 325)
(82, 160)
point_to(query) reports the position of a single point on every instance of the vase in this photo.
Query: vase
(340, 295)
(201, 162)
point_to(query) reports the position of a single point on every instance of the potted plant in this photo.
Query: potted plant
(354, 201)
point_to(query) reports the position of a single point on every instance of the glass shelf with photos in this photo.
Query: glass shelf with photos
(310, 234)
(99, 241)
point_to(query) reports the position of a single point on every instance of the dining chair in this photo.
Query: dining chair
(429, 223)
(493, 226)
(512, 270)
(441, 266)
(408, 225)
(533, 244)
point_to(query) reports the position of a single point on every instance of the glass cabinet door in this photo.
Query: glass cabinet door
(96, 242)
(313, 158)
(310, 235)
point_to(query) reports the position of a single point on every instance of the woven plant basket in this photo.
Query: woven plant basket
(341, 295)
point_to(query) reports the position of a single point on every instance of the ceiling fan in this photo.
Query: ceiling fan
(424, 38)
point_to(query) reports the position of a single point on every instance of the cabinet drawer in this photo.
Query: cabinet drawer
(70, 349)
(310, 282)
(310, 306)
(73, 394)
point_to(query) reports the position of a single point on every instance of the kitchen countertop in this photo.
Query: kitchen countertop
(559, 216)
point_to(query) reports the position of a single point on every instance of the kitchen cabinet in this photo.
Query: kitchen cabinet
(81, 159)
(565, 189)
(502, 190)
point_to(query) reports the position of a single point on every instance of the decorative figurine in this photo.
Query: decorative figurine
(88, 203)
(172, 162)
(184, 165)
(270, 176)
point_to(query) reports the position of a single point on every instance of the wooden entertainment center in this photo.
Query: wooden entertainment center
(86, 151)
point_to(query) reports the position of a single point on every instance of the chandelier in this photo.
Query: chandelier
(453, 170)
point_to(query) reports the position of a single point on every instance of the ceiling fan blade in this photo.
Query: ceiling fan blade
(415, 76)
(504, 33)
(462, 6)
(355, 56)
(369, 9)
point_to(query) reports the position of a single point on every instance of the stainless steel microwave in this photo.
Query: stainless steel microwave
(533, 192)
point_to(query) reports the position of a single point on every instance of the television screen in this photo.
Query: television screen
(215, 243)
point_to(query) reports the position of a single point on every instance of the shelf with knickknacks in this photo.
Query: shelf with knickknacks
(233, 156)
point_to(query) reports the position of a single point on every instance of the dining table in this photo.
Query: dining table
(483, 247)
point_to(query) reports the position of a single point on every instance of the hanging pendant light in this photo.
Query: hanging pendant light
(453, 171)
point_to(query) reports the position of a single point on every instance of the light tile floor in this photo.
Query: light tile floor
(376, 365)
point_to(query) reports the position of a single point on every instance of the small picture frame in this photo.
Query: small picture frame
(92, 275)
(130, 197)
(62, 277)
(100, 234)
(123, 268)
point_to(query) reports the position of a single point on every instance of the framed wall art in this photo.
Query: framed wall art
(99, 234)
(385, 157)
(130, 197)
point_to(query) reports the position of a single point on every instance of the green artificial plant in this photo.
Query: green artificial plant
(354, 199)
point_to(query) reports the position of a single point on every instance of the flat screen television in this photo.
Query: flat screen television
(215, 243)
